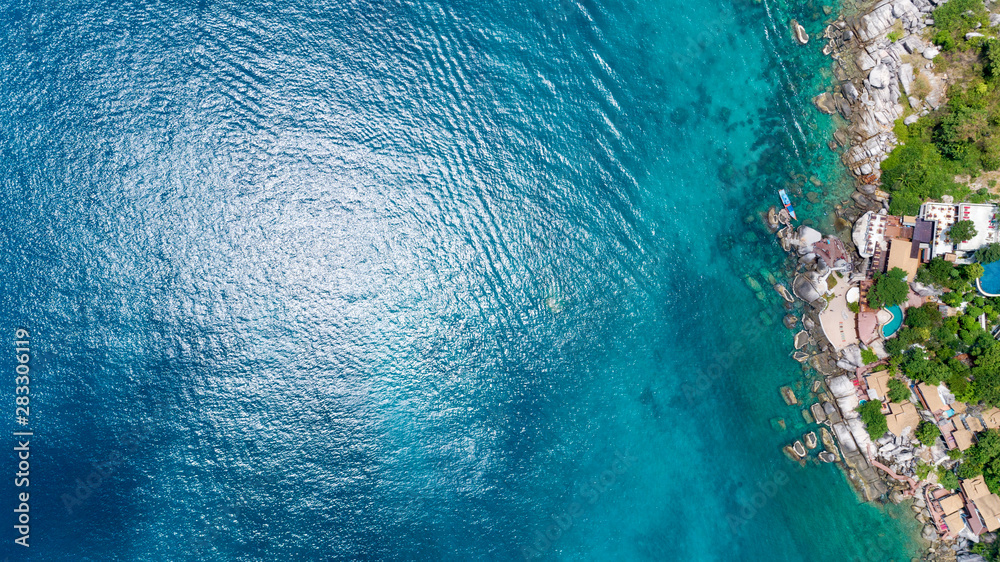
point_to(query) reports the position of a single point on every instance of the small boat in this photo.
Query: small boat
(787, 203)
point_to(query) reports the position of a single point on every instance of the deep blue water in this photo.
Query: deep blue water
(412, 281)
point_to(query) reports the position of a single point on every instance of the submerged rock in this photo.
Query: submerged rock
(790, 321)
(789, 395)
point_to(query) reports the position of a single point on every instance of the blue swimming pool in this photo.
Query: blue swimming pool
(894, 324)
(990, 282)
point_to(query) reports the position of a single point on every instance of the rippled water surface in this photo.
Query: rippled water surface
(418, 281)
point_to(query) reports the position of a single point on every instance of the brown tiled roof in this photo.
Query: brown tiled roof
(952, 503)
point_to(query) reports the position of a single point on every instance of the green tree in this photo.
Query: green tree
(898, 391)
(991, 58)
(941, 273)
(925, 316)
(986, 374)
(958, 16)
(889, 289)
(871, 414)
(947, 478)
(952, 299)
(969, 470)
(912, 173)
(927, 432)
(974, 271)
(988, 253)
(962, 231)
(868, 356)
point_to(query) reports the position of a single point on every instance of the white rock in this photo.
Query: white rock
(865, 61)
(809, 236)
(912, 44)
(879, 76)
(906, 77)
(852, 354)
(973, 35)
(931, 52)
(911, 119)
(850, 92)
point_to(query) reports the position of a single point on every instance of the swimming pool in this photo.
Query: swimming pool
(990, 283)
(897, 320)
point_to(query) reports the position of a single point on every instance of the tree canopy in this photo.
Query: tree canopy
(871, 414)
(927, 432)
(974, 271)
(889, 289)
(988, 253)
(898, 391)
(962, 231)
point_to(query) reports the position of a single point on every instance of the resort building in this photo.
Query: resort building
(944, 215)
(956, 436)
(963, 439)
(891, 241)
(931, 399)
(983, 507)
(902, 417)
(973, 423)
(878, 385)
(869, 233)
(831, 250)
(991, 418)
(901, 256)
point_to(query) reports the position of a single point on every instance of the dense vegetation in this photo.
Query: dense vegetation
(963, 137)
(953, 19)
(947, 478)
(988, 253)
(941, 339)
(898, 391)
(871, 414)
(983, 458)
(868, 356)
(927, 432)
(890, 289)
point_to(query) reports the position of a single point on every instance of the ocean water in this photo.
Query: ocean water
(438, 280)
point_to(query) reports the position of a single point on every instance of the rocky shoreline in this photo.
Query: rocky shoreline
(878, 80)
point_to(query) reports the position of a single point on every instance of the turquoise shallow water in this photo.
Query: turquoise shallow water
(415, 281)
